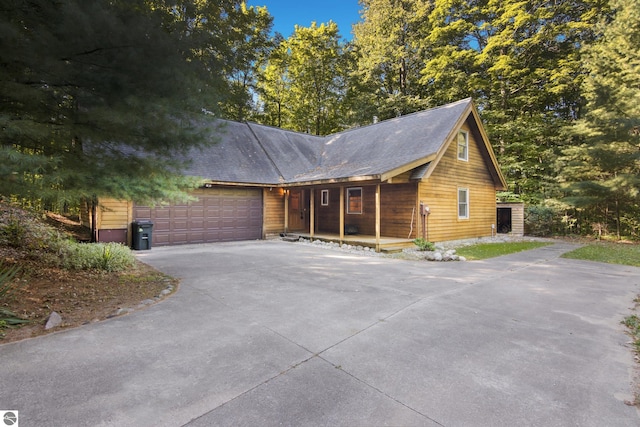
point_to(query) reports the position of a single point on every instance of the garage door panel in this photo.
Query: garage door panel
(220, 215)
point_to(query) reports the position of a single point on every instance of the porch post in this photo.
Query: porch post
(378, 218)
(286, 210)
(341, 215)
(312, 214)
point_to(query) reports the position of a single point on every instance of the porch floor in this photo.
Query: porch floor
(387, 244)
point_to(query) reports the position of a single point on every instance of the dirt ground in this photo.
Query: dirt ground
(79, 297)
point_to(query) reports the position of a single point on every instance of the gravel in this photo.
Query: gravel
(445, 251)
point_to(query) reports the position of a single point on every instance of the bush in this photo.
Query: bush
(539, 220)
(7, 287)
(13, 232)
(97, 256)
(36, 240)
(424, 244)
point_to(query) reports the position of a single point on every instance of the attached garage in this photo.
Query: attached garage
(221, 214)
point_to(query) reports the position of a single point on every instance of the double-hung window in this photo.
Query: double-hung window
(463, 203)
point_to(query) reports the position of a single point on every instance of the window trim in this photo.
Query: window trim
(324, 198)
(464, 202)
(466, 145)
(348, 195)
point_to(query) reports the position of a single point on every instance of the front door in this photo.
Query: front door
(298, 211)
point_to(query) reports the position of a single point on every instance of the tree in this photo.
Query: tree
(304, 81)
(521, 61)
(231, 39)
(317, 75)
(97, 99)
(386, 45)
(248, 42)
(602, 171)
(273, 85)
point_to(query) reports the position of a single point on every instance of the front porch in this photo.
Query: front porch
(384, 244)
(372, 215)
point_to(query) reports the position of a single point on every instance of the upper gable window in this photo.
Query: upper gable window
(463, 145)
(354, 200)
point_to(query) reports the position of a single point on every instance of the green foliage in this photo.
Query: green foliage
(508, 196)
(13, 232)
(539, 220)
(52, 248)
(424, 245)
(491, 250)
(549, 220)
(7, 288)
(109, 257)
(600, 170)
(612, 253)
(7, 274)
(302, 84)
(633, 323)
(389, 62)
(520, 61)
(99, 98)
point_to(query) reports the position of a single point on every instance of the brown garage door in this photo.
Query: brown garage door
(220, 214)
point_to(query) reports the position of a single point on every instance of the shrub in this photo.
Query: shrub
(7, 287)
(424, 244)
(25, 231)
(539, 220)
(97, 256)
(13, 232)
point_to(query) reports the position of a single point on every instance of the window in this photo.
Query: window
(463, 203)
(463, 145)
(354, 200)
(324, 198)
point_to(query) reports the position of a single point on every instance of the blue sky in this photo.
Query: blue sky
(287, 13)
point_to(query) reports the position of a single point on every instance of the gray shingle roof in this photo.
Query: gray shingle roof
(253, 153)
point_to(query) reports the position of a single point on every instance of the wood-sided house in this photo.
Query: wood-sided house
(376, 182)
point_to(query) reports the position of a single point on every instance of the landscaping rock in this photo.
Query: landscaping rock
(53, 321)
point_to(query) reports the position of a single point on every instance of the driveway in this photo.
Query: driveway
(270, 333)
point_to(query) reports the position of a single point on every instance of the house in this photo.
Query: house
(430, 174)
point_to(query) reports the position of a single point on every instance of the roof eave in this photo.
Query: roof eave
(407, 167)
(329, 181)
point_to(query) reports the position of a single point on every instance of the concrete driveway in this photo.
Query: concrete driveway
(272, 333)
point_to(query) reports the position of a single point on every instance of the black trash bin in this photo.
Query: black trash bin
(141, 233)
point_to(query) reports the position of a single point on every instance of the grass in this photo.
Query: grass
(633, 323)
(491, 250)
(612, 253)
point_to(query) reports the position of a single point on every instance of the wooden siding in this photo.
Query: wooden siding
(402, 178)
(114, 214)
(273, 216)
(365, 221)
(327, 218)
(397, 203)
(440, 193)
